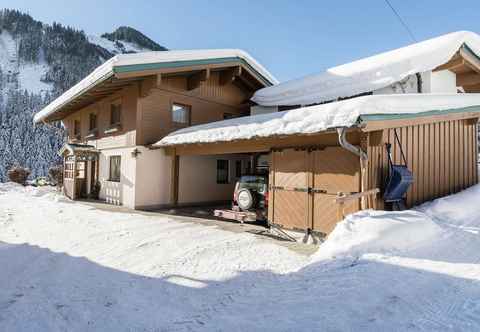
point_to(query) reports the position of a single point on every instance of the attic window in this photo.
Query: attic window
(181, 114)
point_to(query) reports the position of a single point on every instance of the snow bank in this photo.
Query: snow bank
(368, 74)
(462, 208)
(106, 70)
(383, 232)
(10, 187)
(379, 232)
(314, 119)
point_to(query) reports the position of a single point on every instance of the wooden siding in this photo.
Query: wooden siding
(209, 102)
(442, 156)
(124, 137)
(304, 185)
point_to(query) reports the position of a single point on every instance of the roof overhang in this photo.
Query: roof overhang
(74, 149)
(376, 72)
(125, 70)
(366, 113)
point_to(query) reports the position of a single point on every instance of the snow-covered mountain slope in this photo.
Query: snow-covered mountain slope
(38, 62)
(69, 267)
(23, 75)
(116, 47)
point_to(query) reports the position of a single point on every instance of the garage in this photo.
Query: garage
(327, 161)
(305, 183)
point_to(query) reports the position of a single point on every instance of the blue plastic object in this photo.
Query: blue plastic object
(399, 178)
(399, 181)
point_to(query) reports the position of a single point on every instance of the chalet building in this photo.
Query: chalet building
(177, 128)
(132, 101)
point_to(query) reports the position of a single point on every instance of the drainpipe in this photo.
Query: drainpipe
(363, 159)
(419, 83)
(348, 146)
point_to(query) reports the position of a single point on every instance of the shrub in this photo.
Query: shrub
(18, 174)
(56, 174)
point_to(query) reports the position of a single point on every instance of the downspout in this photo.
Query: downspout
(342, 139)
(419, 83)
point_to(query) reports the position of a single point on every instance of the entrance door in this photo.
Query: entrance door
(81, 179)
(305, 183)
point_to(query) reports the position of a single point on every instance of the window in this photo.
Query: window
(115, 113)
(76, 128)
(93, 121)
(222, 171)
(238, 168)
(115, 162)
(181, 114)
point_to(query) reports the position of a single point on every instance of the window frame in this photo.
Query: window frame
(118, 106)
(114, 177)
(77, 129)
(189, 114)
(90, 128)
(226, 178)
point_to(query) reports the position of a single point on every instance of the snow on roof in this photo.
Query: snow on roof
(370, 73)
(108, 69)
(318, 118)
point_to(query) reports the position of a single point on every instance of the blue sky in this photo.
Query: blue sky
(291, 38)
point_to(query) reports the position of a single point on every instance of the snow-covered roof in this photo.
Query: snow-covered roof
(370, 73)
(146, 60)
(72, 148)
(318, 118)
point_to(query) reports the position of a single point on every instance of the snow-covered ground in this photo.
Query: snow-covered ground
(68, 267)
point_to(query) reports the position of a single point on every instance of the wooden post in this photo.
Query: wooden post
(340, 207)
(174, 178)
(271, 194)
(310, 160)
(74, 191)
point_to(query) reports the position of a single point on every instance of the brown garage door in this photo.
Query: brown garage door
(334, 170)
(304, 184)
(290, 184)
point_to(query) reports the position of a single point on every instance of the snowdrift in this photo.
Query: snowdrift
(379, 232)
(386, 232)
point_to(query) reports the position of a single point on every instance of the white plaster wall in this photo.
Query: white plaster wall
(122, 192)
(153, 175)
(443, 81)
(198, 178)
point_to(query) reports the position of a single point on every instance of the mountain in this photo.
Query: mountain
(38, 62)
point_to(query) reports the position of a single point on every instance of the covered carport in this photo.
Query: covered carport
(329, 160)
(307, 174)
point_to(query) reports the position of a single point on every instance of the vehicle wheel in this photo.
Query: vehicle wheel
(245, 199)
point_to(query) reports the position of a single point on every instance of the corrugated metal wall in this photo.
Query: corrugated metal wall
(442, 156)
